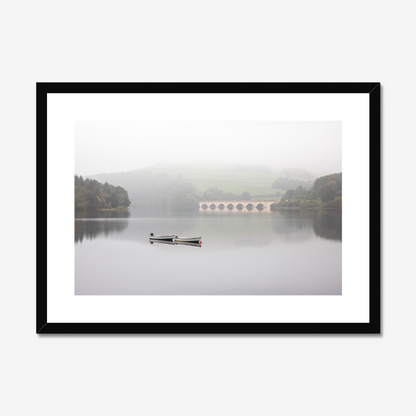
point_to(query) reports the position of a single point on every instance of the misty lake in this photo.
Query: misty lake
(274, 253)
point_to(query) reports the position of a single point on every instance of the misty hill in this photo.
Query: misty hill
(155, 190)
(286, 184)
(237, 179)
(168, 184)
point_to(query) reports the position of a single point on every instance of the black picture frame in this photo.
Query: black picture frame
(373, 326)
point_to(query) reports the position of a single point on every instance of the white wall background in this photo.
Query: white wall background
(205, 41)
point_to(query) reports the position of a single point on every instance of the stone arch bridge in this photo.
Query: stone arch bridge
(241, 206)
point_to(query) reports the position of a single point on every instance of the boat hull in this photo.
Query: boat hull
(168, 237)
(194, 240)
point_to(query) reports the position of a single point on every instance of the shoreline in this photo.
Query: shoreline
(104, 209)
(311, 208)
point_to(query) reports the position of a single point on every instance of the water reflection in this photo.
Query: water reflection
(169, 243)
(174, 243)
(102, 214)
(291, 226)
(326, 224)
(282, 253)
(90, 225)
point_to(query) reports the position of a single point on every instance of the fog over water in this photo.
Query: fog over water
(115, 146)
(256, 253)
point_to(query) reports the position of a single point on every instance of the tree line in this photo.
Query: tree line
(160, 190)
(93, 195)
(326, 192)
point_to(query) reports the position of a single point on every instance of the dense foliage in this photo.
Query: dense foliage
(329, 187)
(326, 192)
(92, 195)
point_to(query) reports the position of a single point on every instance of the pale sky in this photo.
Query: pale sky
(114, 146)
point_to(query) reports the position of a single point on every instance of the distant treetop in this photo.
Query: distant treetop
(93, 195)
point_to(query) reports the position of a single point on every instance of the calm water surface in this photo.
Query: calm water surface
(281, 253)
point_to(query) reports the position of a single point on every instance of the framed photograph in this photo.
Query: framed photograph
(208, 208)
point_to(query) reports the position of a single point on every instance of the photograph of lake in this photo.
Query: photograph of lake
(208, 208)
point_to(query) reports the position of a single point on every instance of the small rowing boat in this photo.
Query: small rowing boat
(168, 237)
(194, 240)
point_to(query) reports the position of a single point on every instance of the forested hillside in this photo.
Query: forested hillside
(93, 195)
(326, 192)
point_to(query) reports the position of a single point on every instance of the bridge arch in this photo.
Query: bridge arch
(236, 206)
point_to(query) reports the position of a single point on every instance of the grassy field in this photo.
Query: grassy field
(227, 180)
